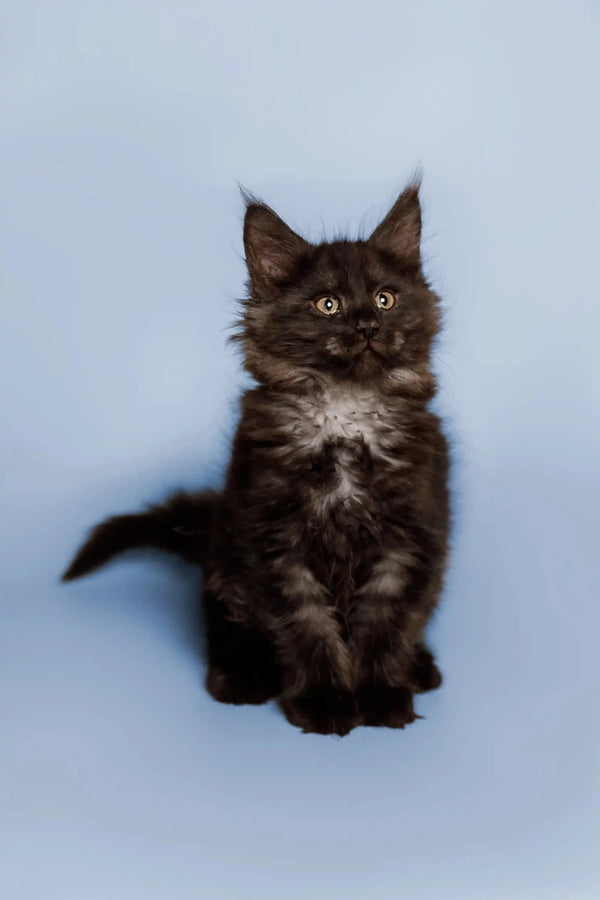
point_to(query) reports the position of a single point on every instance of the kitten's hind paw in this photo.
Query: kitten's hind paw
(423, 674)
(322, 711)
(389, 707)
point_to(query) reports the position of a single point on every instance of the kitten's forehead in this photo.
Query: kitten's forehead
(350, 267)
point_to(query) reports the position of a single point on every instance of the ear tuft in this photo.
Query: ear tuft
(400, 231)
(272, 248)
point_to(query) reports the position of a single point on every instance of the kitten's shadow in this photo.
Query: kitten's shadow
(158, 593)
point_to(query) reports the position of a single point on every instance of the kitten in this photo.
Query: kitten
(324, 553)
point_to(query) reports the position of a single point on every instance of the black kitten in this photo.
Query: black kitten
(324, 554)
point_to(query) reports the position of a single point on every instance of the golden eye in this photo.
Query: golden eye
(384, 299)
(327, 305)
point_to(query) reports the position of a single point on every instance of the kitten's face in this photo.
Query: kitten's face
(353, 309)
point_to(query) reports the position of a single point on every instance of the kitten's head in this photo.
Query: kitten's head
(347, 310)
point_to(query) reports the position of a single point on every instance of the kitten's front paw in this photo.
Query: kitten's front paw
(322, 711)
(238, 687)
(389, 707)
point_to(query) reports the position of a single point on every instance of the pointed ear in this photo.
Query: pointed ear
(400, 231)
(272, 248)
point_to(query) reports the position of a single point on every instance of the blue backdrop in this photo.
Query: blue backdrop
(125, 126)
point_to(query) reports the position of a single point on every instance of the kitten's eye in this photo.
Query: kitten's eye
(384, 299)
(327, 305)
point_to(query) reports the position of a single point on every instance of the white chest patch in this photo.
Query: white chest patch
(354, 415)
(351, 415)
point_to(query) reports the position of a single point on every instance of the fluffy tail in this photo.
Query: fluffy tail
(181, 525)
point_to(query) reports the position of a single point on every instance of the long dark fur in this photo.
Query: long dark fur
(324, 554)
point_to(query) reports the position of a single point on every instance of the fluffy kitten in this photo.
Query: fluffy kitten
(324, 553)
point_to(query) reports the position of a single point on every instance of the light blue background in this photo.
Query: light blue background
(124, 127)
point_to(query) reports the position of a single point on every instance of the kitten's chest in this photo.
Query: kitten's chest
(340, 417)
(342, 443)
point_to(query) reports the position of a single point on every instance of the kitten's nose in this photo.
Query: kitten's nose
(368, 331)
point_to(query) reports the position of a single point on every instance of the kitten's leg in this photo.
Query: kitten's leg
(384, 630)
(242, 665)
(316, 664)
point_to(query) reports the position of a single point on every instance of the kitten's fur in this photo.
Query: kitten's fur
(324, 553)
